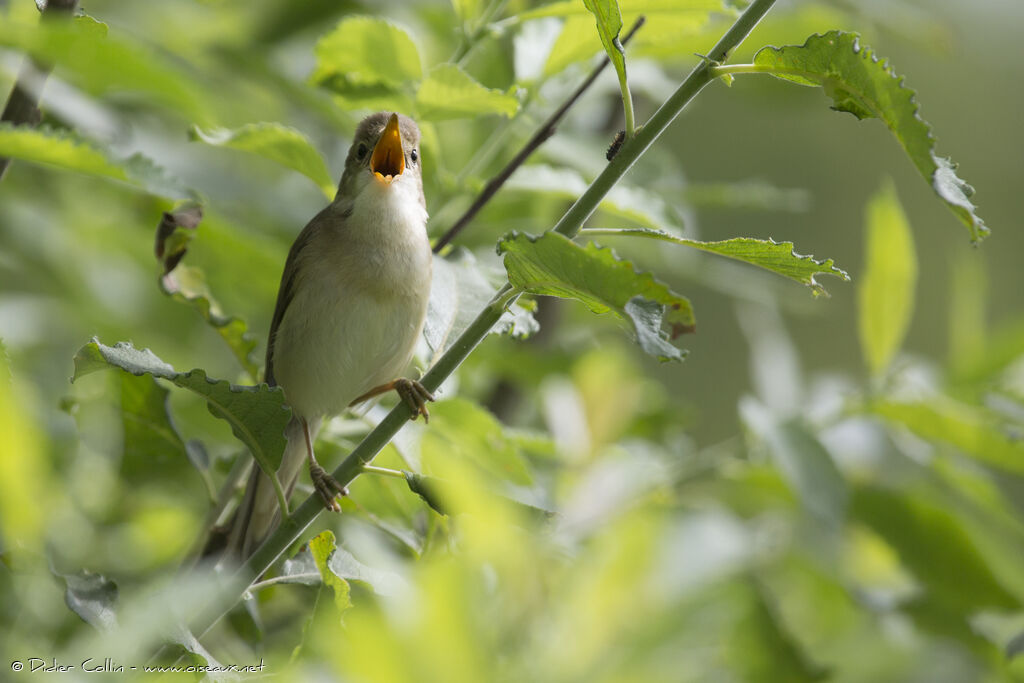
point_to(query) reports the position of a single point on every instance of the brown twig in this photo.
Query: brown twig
(546, 130)
(22, 106)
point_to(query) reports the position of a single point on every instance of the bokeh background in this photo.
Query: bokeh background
(744, 515)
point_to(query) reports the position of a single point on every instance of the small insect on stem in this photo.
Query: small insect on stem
(613, 148)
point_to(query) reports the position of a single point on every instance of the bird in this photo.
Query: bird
(350, 309)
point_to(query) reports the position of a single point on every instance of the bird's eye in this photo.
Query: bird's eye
(414, 155)
(360, 151)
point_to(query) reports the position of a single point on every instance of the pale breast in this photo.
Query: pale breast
(358, 306)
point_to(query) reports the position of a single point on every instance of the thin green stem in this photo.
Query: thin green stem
(627, 105)
(383, 471)
(545, 131)
(282, 499)
(290, 578)
(295, 524)
(725, 69)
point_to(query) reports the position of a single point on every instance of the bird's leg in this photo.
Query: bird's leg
(412, 392)
(326, 485)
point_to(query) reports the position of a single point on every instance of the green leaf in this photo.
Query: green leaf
(553, 265)
(609, 25)
(152, 444)
(934, 546)
(65, 149)
(809, 470)
(778, 257)
(886, 292)
(303, 569)
(367, 51)
(866, 87)
(278, 143)
(461, 287)
(100, 63)
(462, 429)
(322, 547)
(93, 597)
(669, 23)
(448, 92)
(257, 415)
(569, 8)
(764, 647)
(190, 648)
(972, 430)
(187, 285)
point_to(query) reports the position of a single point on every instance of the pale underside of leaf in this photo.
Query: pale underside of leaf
(553, 265)
(461, 286)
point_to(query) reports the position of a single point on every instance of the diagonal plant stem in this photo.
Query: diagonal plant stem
(469, 41)
(293, 526)
(545, 131)
(22, 106)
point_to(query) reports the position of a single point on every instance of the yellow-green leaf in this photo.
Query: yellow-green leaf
(100, 63)
(778, 257)
(366, 50)
(974, 431)
(448, 92)
(322, 547)
(886, 292)
(66, 150)
(281, 144)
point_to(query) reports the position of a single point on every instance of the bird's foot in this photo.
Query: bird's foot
(412, 393)
(415, 396)
(327, 486)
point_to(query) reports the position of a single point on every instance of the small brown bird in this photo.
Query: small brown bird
(350, 309)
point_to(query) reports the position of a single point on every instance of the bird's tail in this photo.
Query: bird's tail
(259, 514)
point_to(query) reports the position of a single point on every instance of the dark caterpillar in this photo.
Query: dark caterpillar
(613, 148)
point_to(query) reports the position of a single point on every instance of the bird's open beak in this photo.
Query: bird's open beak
(388, 160)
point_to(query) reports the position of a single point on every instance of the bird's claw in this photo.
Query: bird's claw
(415, 396)
(327, 486)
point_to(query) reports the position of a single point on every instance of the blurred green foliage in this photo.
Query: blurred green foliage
(807, 515)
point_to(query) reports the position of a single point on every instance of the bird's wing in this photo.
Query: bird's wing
(288, 278)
